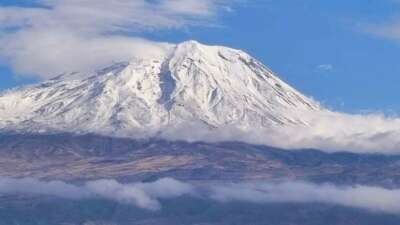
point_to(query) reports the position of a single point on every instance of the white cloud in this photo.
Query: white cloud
(99, 16)
(147, 195)
(80, 35)
(142, 195)
(387, 27)
(34, 186)
(190, 7)
(389, 30)
(325, 67)
(370, 198)
(48, 53)
(327, 131)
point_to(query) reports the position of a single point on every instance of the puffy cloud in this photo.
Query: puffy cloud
(72, 35)
(143, 195)
(49, 53)
(327, 131)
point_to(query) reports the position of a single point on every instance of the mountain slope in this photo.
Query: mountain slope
(189, 83)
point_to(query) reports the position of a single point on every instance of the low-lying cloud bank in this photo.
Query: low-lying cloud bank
(147, 195)
(142, 195)
(327, 131)
(370, 198)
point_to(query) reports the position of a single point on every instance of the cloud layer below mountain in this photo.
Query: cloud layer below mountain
(147, 195)
(327, 131)
(142, 195)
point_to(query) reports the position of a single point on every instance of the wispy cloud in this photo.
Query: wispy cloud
(387, 27)
(71, 35)
(143, 195)
(147, 195)
(370, 198)
(325, 67)
(34, 186)
(388, 30)
(91, 16)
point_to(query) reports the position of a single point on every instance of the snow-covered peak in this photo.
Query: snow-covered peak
(213, 85)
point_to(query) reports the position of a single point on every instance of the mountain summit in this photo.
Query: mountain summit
(213, 85)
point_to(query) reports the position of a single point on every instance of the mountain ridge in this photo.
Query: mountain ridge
(213, 85)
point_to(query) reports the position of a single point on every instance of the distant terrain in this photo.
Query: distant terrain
(72, 157)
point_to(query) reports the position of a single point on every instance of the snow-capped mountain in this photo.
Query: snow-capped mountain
(213, 85)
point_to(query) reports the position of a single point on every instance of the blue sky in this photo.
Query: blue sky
(323, 48)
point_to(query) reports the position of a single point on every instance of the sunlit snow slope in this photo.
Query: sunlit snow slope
(190, 83)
